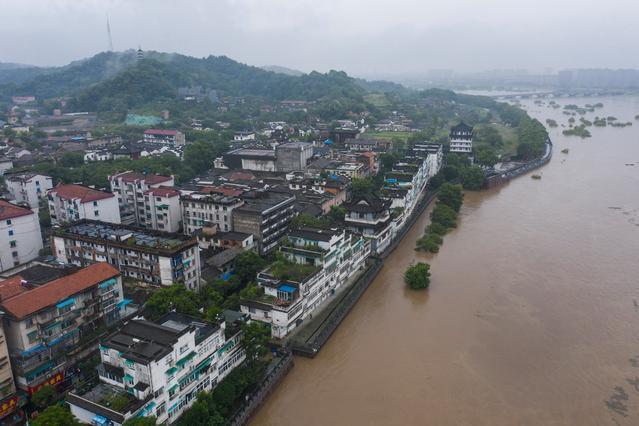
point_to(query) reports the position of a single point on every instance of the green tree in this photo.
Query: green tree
(451, 195)
(255, 340)
(436, 228)
(44, 397)
(55, 415)
(140, 421)
(173, 297)
(72, 159)
(247, 265)
(417, 276)
(362, 187)
(200, 155)
(473, 178)
(486, 156)
(444, 215)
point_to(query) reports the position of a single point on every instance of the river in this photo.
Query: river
(532, 314)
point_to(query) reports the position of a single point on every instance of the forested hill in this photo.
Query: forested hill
(112, 79)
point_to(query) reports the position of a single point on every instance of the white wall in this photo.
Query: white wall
(27, 237)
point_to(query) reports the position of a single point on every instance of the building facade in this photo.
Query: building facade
(162, 207)
(10, 401)
(157, 369)
(164, 137)
(21, 237)
(154, 257)
(293, 156)
(130, 188)
(70, 203)
(44, 324)
(266, 215)
(321, 261)
(28, 188)
(370, 217)
(461, 138)
(208, 210)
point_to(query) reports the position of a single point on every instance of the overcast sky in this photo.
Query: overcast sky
(363, 37)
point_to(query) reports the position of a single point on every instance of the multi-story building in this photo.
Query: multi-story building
(164, 137)
(318, 261)
(10, 400)
(70, 203)
(293, 156)
(162, 206)
(44, 324)
(158, 258)
(406, 182)
(433, 153)
(130, 188)
(206, 210)
(157, 369)
(28, 188)
(461, 138)
(21, 240)
(370, 217)
(251, 159)
(265, 214)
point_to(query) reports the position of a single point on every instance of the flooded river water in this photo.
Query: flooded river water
(532, 316)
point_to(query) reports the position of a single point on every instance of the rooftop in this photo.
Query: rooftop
(81, 192)
(162, 132)
(251, 152)
(28, 302)
(125, 234)
(163, 191)
(314, 234)
(262, 201)
(131, 177)
(10, 211)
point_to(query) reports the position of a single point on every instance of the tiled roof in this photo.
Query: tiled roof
(11, 287)
(9, 211)
(81, 192)
(163, 191)
(151, 179)
(32, 301)
(160, 132)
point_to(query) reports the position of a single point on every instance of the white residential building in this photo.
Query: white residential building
(28, 188)
(20, 237)
(130, 188)
(70, 203)
(96, 155)
(320, 261)
(164, 137)
(157, 369)
(461, 139)
(370, 217)
(433, 153)
(206, 210)
(162, 207)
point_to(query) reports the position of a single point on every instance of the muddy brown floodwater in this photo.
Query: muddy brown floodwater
(532, 316)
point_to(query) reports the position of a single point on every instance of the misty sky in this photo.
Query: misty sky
(363, 37)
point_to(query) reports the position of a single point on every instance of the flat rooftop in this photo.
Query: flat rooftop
(122, 233)
(260, 201)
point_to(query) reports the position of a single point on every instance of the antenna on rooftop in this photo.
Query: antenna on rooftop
(109, 35)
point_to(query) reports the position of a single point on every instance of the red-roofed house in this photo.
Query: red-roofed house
(130, 188)
(164, 137)
(44, 325)
(20, 238)
(70, 203)
(163, 211)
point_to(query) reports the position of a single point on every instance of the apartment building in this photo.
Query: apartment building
(44, 325)
(318, 262)
(266, 214)
(20, 236)
(70, 203)
(162, 207)
(28, 188)
(208, 210)
(154, 257)
(130, 188)
(157, 369)
(10, 401)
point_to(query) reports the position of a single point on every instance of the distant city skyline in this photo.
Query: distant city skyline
(360, 37)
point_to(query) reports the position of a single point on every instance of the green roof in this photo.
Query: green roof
(142, 120)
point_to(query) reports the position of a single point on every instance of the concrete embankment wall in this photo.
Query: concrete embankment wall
(276, 372)
(498, 179)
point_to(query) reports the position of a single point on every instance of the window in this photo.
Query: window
(96, 213)
(14, 254)
(10, 232)
(95, 203)
(12, 243)
(9, 222)
(184, 349)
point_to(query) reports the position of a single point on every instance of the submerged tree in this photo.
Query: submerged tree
(417, 276)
